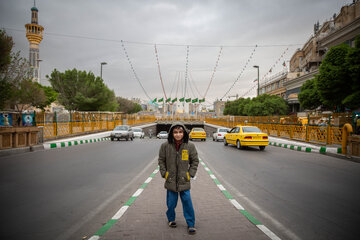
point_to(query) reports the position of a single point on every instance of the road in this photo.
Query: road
(67, 193)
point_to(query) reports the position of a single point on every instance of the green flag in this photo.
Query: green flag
(161, 99)
(194, 100)
(174, 100)
(188, 100)
(201, 100)
(181, 99)
(168, 100)
(155, 99)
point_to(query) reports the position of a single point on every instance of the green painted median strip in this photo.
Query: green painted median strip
(131, 200)
(250, 217)
(106, 227)
(53, 145)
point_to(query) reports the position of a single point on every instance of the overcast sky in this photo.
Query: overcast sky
(80, 34)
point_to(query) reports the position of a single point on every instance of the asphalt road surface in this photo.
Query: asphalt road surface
(69, 193)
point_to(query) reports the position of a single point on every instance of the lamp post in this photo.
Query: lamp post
(101, 64)
(258, 80)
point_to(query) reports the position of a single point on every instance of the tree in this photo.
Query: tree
(17, 91)
(263, 105)
(309, 96)
(82, 91)
(6, 44)
(127, 106)
(352, 101)
(50, 95)
(332, 81)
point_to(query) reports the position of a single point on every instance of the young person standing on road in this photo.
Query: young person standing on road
(178, 161)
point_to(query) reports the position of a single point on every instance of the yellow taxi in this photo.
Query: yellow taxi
(246, 136)
(197, 133)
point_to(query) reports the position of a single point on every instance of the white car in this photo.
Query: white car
(122, 131)
(219, 134)
(162, 134)
(138, 132)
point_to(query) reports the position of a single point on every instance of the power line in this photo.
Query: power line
(159, 44)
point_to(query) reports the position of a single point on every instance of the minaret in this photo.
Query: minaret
(34, 33)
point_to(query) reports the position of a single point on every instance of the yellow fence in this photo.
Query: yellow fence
(307, 133)
(63, 124)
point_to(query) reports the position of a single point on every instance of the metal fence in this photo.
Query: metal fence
(320, 129)
(62, 124)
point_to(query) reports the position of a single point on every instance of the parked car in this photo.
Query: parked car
(219, 134)
(246, 136)
(122, 131)
(138, 132)
(197, 133)
(162, 134)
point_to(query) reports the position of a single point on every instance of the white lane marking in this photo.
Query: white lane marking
(212, 176)
(138, 192)
(269, 233)
(156, 171)
(148, 180)
(94, 238)
(207, 169)
(289, 234)
(202, 163)
(236, 204)
(121, 212)
(221, 187)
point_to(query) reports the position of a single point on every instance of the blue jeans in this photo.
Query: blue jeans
(171, 201)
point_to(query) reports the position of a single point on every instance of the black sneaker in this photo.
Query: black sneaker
(172, 224)
(191, 230)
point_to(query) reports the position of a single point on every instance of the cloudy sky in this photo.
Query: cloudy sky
(81, 34)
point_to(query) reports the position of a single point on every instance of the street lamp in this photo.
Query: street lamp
(101, 64)
(258, 80)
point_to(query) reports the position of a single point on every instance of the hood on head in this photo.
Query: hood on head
(171, 137)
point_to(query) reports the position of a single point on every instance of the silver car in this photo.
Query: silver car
(122, 131)
(219, 134)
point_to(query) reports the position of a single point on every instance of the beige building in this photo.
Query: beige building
(305, 62)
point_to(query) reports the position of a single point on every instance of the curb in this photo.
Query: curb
(237, 205)
(123, 209)
(73, 143)
(322, 150)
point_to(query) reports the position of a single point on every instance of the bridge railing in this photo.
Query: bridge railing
(63, 124)
(320, 129)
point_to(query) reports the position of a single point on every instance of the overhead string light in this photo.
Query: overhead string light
(267, 73)
(213, 74)
(243, 69)
(162, 83)
(274, 65)
(186, 68)
(133, 70)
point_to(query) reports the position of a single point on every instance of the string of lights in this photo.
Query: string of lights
(213, 73)
(243, 69)
(133, 70)
(161, 80)
(186, 68)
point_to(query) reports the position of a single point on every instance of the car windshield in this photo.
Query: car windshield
(198, 130)
(163, 132)
(137, 130)
(223, 130)
(122, 128)
(251, 129)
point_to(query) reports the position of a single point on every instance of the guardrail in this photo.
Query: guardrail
(308, 133)
(63, 124)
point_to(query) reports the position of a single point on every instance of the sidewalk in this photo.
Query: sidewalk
(216, 216)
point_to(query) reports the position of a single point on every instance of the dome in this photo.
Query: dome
(34, 9)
